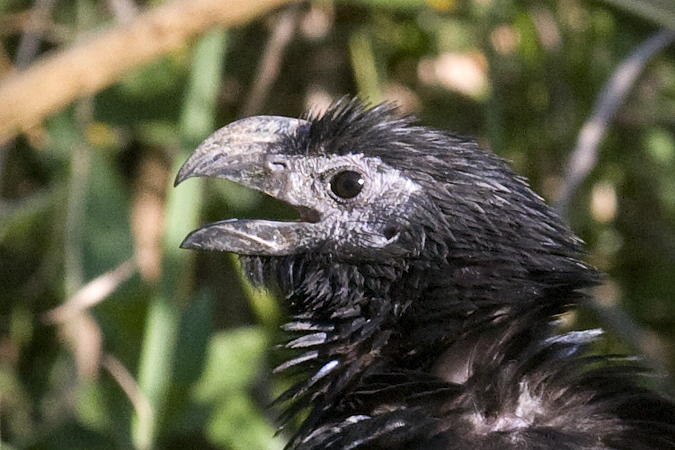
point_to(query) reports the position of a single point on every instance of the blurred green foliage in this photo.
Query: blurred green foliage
(176, 355)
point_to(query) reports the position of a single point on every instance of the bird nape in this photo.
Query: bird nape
(423, 282)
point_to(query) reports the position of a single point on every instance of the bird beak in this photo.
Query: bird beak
(250, 152)
(239, 150)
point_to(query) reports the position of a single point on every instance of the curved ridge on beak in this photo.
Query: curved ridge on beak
(241, 152)
(239, 146)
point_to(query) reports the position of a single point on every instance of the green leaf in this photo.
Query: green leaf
(237, 425)
(233, 361)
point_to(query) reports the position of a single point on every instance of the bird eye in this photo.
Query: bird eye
(347, 184)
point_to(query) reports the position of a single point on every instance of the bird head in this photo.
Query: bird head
(352, 206)
(383, 197)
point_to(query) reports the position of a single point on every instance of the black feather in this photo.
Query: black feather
(421, 308)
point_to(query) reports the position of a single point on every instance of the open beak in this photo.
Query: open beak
(250, 152)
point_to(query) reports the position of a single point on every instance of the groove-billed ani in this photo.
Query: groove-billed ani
(423, 281)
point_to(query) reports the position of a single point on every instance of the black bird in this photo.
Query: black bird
(423, 281)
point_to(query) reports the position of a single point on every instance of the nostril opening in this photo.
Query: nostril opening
(277, 165)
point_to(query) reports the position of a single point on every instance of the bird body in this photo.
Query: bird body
(423, 281)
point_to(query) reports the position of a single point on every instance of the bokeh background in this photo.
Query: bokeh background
(113, 338)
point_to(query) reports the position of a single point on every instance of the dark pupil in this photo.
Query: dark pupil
(347, 184)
